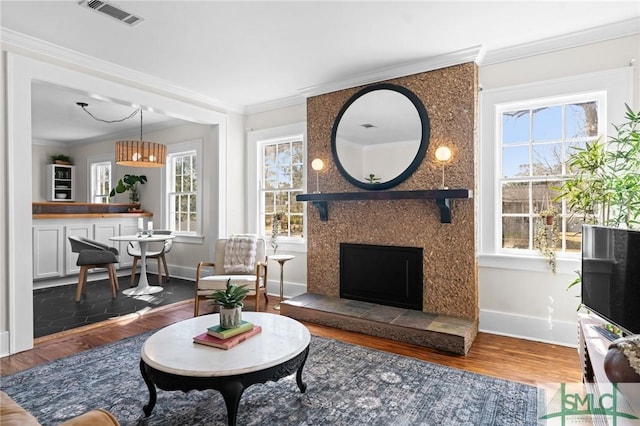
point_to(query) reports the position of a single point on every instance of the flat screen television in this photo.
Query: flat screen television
(611, 275)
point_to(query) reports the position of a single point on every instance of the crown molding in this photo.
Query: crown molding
(428, 64)
(24, 44)
(289, 101)
(575, 39)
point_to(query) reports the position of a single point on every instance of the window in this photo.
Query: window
(282, 178)
(526, 132)
(100, 182)
(536, 138)
(183, 189)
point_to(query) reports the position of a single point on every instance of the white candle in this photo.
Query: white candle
(140, 223)
(150, 226)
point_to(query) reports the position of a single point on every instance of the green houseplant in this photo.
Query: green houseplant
(230, 301)
(129, 183)
(61, 159)
(605, 185)
(545, 238)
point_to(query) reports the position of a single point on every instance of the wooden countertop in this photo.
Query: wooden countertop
(88, 215)
(72, 210)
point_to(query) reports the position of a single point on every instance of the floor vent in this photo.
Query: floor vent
(113, 11)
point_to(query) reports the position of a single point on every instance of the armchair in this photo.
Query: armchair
(217, 278)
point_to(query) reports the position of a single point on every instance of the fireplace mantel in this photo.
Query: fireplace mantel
(442, 197)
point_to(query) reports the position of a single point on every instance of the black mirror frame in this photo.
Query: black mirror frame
(424, 140)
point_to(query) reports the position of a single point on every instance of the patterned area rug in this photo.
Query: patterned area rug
(347, 385)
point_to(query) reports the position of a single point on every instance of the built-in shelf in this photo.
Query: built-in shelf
(442, 197)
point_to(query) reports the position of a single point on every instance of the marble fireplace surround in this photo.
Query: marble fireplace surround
(449, 320)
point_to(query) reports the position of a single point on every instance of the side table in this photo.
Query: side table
(281, 259)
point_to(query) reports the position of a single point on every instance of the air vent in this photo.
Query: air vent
(113, 11)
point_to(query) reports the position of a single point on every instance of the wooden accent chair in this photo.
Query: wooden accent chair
(133, 249)
(205, 285)
(93, 254)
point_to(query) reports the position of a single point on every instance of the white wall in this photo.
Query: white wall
(295, 270)
(526, 300)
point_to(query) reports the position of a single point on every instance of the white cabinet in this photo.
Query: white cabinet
(52, 255)
(81, 229)
(60, 182)
(48, 251)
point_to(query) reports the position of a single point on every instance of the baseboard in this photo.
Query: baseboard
(556, 332)
(4, 343)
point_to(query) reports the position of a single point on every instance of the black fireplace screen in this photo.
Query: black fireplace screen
(386, 275)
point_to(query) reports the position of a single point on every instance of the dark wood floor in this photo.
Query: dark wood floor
(508, 358)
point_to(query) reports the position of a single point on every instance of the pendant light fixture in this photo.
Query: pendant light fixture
(134, 153)
(140, 153)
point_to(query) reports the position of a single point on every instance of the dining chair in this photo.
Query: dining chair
(93, 254)
(133, 249)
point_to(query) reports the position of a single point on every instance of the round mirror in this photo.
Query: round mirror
(380, 136)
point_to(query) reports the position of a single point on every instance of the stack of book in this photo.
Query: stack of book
(226, 338)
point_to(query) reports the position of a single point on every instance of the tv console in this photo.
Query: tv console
(592, 348)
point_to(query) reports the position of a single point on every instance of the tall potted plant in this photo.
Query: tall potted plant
(605, 186)
(230, 302)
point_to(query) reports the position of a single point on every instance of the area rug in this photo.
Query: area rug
(347, 385)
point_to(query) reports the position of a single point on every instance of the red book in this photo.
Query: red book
(206, 339)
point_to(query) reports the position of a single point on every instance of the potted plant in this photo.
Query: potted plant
(230, 302)
(61, 159)
(605, 185)
(545, 237)
(129, 183)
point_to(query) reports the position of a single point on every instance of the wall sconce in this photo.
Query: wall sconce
(317, 165)
(443, 155)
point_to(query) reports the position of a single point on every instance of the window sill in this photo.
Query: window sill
(189, 239)
(565, 265)
(288, 246)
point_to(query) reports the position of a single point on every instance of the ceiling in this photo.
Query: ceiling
(245, 54)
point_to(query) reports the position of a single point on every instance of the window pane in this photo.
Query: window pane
(297, 152)
(515, 161)
(581, 120)
(574, 234)
(515, 126)
(284, 177)
(515, 197)
(547, 159)
(284, 153)
(515, 232)
(269, 155)
(543, 194)
(271, 178)
(547, 123)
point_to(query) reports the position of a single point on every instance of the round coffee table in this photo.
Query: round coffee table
(170, 360)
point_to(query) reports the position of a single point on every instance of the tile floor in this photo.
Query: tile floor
(55, 308)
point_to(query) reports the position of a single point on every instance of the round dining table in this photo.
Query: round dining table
(143, 286)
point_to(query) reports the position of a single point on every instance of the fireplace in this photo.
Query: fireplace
(385, 275)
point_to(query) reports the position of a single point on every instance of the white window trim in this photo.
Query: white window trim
(176, 148)
(104, 158)
(254, 138)
(618, 85)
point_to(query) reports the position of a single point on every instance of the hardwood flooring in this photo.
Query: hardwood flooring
(504, 357)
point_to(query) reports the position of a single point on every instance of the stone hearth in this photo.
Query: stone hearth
(443, 332)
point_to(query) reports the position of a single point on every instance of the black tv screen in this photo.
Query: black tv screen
(611, 275)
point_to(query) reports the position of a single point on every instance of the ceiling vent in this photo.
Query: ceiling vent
(113, 11)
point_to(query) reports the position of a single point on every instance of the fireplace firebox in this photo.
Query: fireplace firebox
(385, 275)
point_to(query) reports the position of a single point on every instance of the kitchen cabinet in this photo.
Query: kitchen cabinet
(60, 182)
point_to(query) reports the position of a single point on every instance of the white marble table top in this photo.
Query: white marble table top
(172, 349)
(143, 238)
(281, 257)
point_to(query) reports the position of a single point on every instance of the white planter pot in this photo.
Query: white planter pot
(230, 317)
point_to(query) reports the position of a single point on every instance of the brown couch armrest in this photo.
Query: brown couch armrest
(12, 414)
(97, 417)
